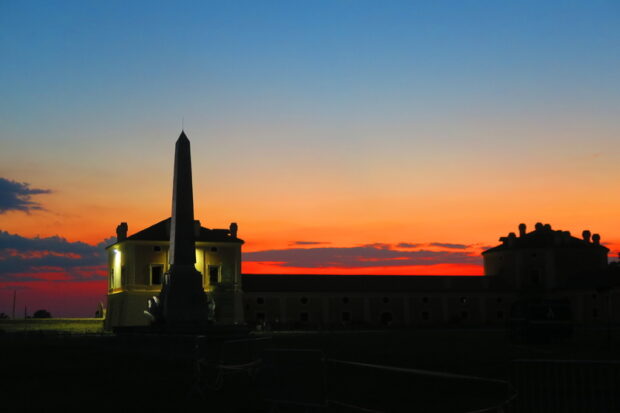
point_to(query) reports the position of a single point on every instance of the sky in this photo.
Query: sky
(345, 137)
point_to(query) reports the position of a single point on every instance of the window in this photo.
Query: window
(260, 300)
(386, 318)
(157, 274)
(304, 300)
(111, 278)
(500, 315)
(346, 316)
(386, 300)
(499, 300)
(345, 300)
(123, 276)
(594, 313)
(260, 317)
(214, 274)
(425, 300)
(157, 248)
(425, 315)
(463, 300)
(304, 317)
(213, 249)
(464, 315)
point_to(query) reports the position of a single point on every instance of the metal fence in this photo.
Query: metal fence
(589, 386)
(293, 380)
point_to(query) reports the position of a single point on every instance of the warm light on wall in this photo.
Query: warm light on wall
(200, 260)
(115, 281)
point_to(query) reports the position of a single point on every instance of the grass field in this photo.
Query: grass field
(61, 325)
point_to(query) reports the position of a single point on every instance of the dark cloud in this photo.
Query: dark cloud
(373, 255)
(15, 196)
(34, 259)
(408, 245)
(448, 245)
(309, 243)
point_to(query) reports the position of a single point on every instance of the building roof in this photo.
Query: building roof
(161, 232)
(367, 283)
(544, 236)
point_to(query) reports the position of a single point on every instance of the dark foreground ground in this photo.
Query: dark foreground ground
(414, 371)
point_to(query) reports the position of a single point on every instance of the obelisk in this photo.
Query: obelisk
(182, 298)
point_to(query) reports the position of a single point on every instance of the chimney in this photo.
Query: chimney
(233, 229)
(512, 237)
(121, 232)
(522, 230)
(538, 226)
(586, 235)
(596, 239)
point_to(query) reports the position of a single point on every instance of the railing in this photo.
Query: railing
(294, 379)
(567, 385)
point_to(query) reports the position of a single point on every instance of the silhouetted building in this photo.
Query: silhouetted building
(547, 272)
(544, 258)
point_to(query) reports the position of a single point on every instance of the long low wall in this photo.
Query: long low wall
(62, 325)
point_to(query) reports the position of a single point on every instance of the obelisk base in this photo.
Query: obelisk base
(183, 299)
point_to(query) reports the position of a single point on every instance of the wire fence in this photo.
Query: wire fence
(567, 385)
(304, 379)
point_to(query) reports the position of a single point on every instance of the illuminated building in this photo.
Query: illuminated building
(137, 265)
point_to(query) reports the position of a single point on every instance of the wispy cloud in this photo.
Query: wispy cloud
(408, 245)
(309, 243)
(49, 258)
(364, 256)
(449, 245)
(16, 196)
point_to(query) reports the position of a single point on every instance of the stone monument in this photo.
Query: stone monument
(182, 301)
